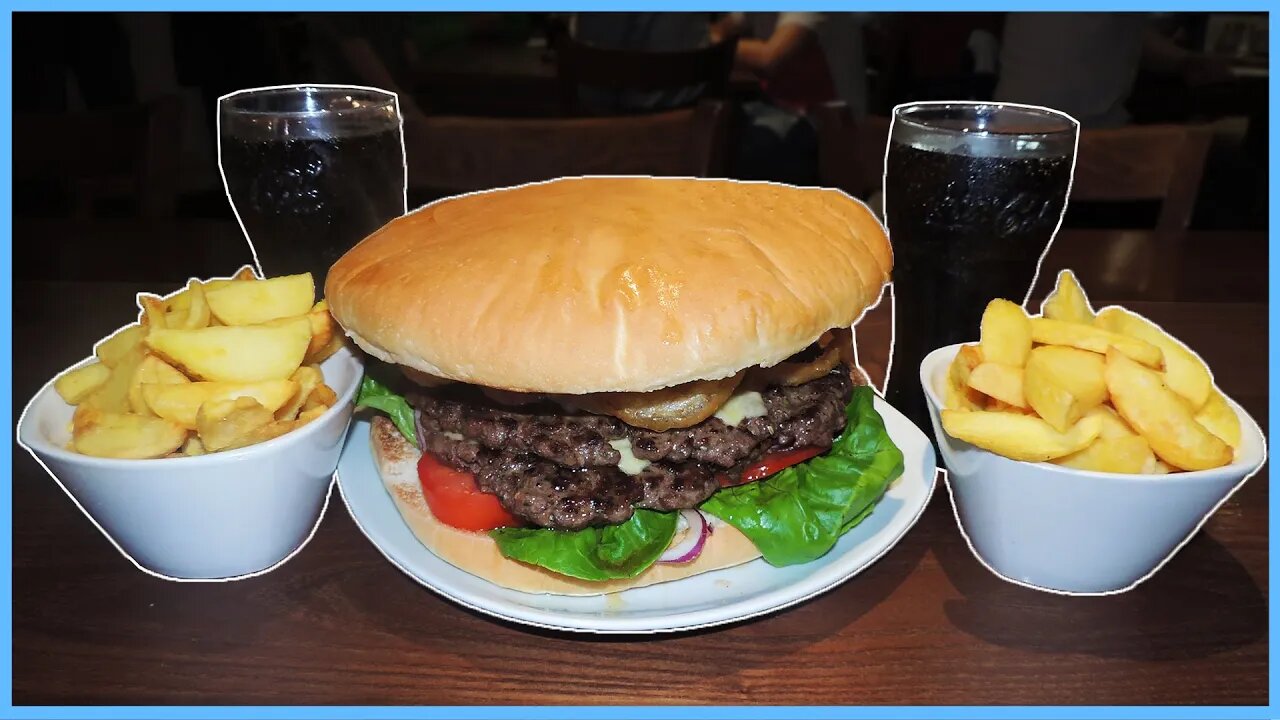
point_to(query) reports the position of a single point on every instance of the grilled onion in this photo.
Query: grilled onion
(674, 407)
(837, 346)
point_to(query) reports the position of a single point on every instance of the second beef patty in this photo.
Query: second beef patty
(559, 470)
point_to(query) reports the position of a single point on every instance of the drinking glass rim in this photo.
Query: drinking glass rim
(381, 100)
(1070, 124)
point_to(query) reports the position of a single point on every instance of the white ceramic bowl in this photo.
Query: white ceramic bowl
(1073, 531)
(217, 516)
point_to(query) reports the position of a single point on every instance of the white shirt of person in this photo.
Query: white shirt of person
(1083, 64)
(840, 37)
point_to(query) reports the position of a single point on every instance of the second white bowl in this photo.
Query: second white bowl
(1074, 531)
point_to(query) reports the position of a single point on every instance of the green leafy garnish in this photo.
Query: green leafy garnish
(797, 515)
(374, 394)
(594, 553)
(793, 517)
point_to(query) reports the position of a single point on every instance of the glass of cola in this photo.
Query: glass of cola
(310, 171)
(974, 193)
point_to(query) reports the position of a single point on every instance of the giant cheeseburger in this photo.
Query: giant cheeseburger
(592, 384)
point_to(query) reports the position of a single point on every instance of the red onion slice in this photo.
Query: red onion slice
(691, 546)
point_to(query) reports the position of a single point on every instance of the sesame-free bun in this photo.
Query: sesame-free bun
(478, 554)
(597, 284)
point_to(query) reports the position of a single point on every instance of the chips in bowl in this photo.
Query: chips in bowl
(218, 365)
(1108, 391)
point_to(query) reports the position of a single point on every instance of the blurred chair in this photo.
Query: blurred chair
(130, 154)
(1160, 164)
(851, 152)
(580, 66)
(462, 154)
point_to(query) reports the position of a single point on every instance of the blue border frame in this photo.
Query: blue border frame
(6, 361)
(656, 713)
(669, 5)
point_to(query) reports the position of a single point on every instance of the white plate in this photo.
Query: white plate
(713, 598)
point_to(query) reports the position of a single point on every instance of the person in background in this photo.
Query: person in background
(1085, 64)
(639, 31)
(800, 60)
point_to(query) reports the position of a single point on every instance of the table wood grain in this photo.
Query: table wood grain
(338, 624)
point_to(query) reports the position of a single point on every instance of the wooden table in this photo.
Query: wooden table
(338, 624)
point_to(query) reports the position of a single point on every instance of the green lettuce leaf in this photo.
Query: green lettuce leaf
(797, 515)
(374, 394)
(594, 553)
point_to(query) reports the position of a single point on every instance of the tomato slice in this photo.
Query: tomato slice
(456, 500)
(772, 464)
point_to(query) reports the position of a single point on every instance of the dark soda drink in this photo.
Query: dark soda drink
(311, 171)
(968, 223)
(304, 202)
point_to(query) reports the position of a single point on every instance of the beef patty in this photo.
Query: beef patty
(559, 470)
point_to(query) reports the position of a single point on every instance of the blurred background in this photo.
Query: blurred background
(116, 176)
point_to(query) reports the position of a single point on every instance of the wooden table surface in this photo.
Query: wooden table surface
(338, 624)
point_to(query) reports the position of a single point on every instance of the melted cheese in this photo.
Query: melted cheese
(454, 435)
(740, 407)
(629, 464)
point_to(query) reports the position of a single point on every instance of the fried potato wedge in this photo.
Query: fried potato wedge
(193, 446)
(1020, 437)
(956, 392)
(321, 328)
(1218, 418)
(1131, 455)
(153, 309)
(1162, 417)
(223, 423)
(1184, 372)
(125, 435)
(1005, 334)
(959, 397)
(308, 377)
(1094, 339)
(236, 354)
(1067, 302)
(182, 403)
(1113, 426)
(322, 396)
(1050, 399)
(995, 405)
(113, 395)
(188, 310)
(75, 385)
(261, 434)
(1002, 382)
(244, 274)
(335, 344)
(1079, 372)
(111, 350)
(155, 371)
(307, 416)
(250, 303)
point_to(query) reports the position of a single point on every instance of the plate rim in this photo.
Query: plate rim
(825, 584)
